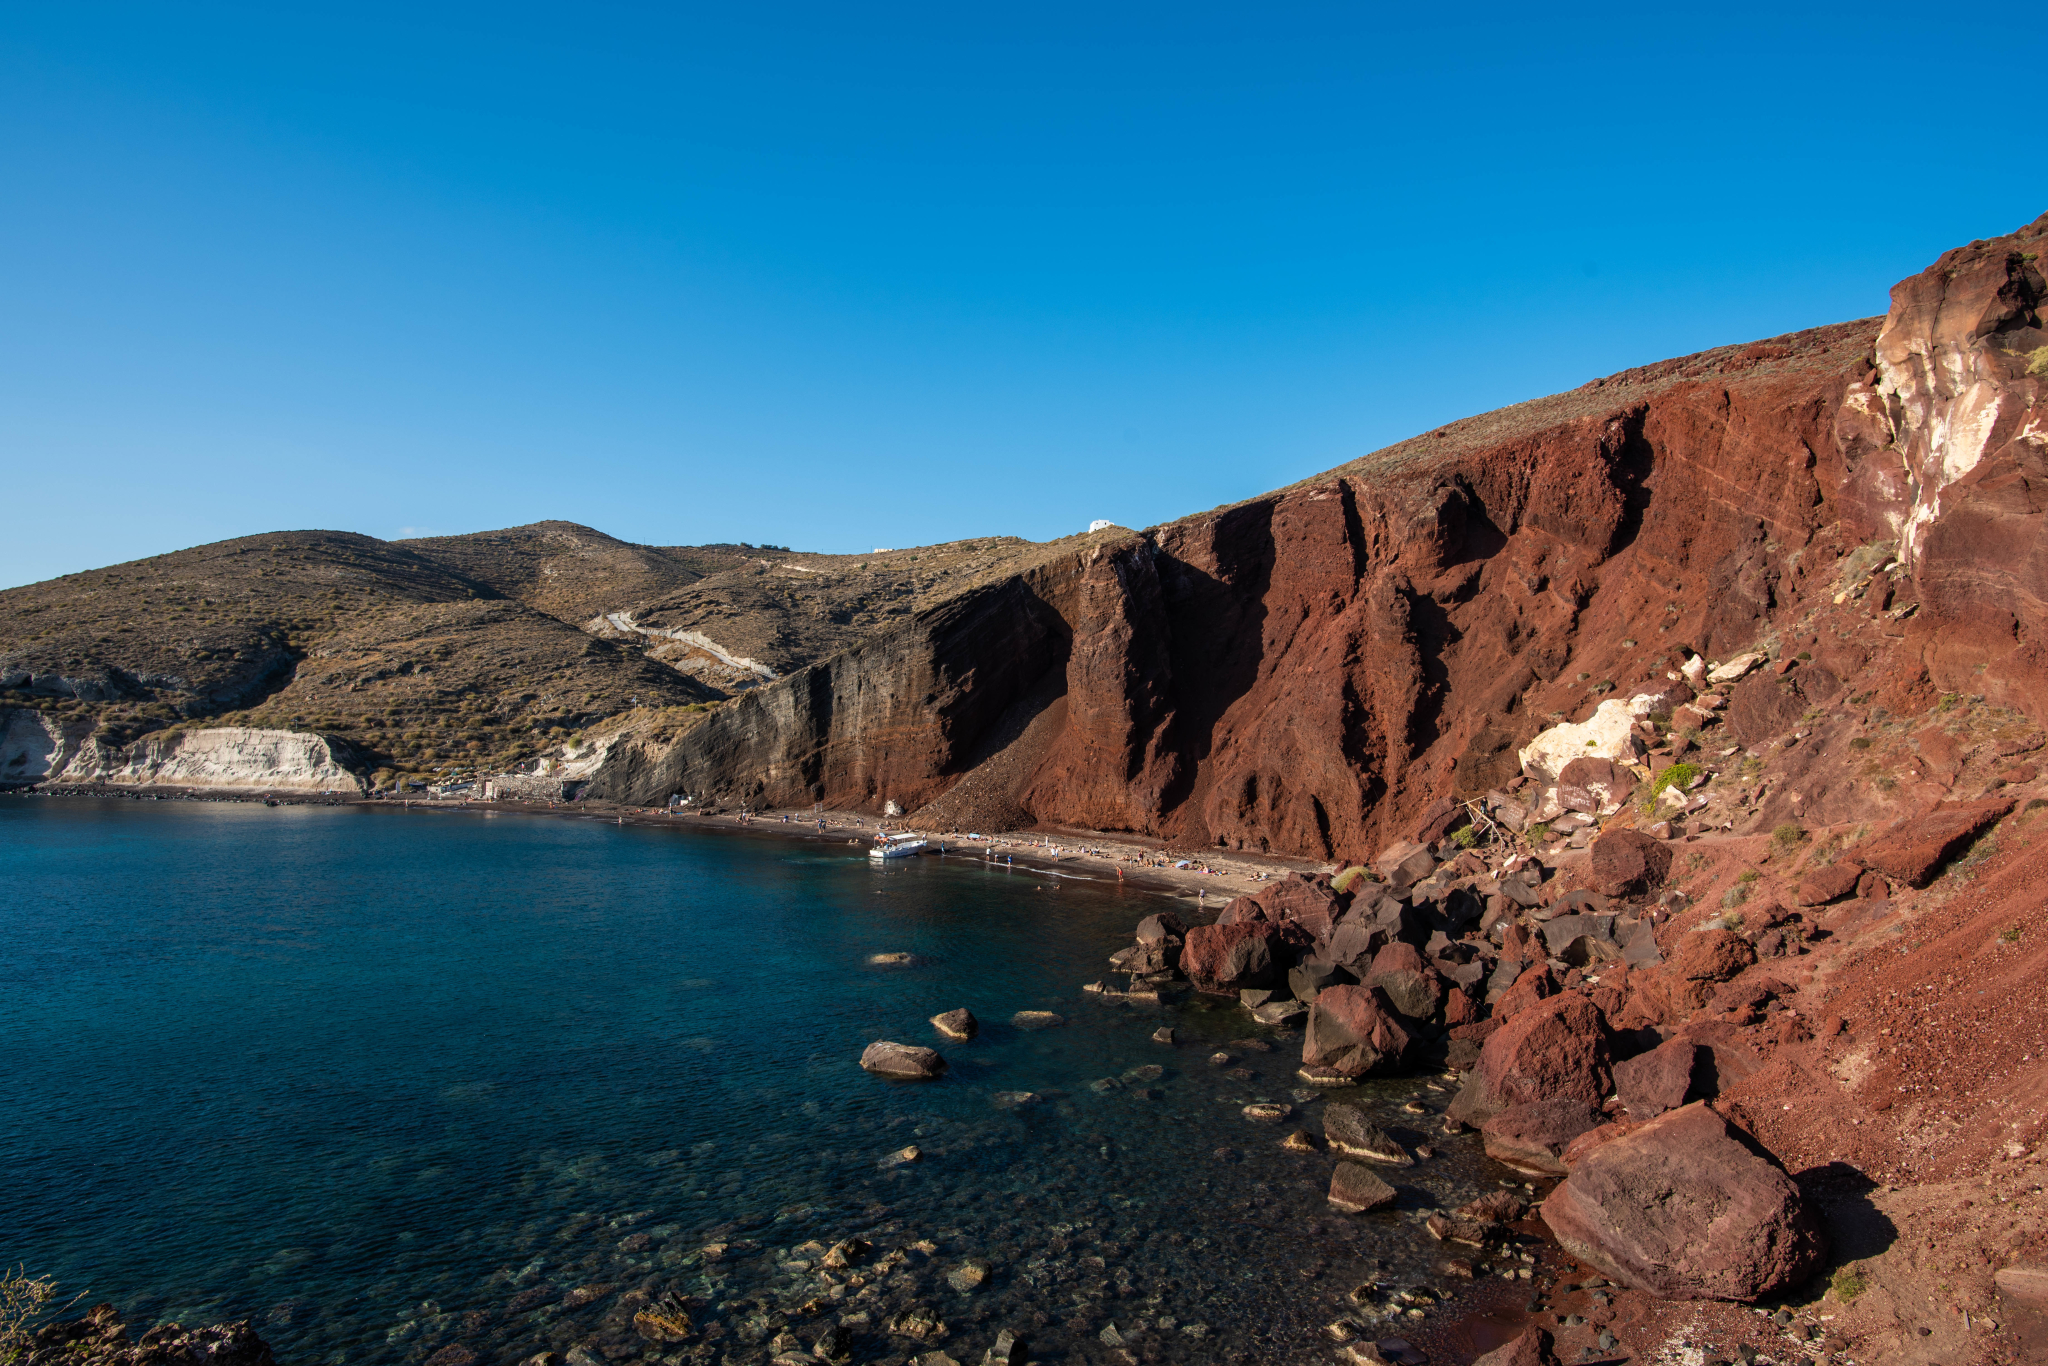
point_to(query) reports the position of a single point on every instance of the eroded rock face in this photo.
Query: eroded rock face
(1914, 850)
(1687, 1207)
(219, 758)
(1316, 671)
(1940, 445)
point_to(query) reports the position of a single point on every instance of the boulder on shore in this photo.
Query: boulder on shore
(904, 1061)
(1687, 1207)
(1229, 958)
(1405, 976)
(1351, 1031)
(1561, 1047)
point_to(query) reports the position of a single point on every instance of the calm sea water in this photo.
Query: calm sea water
(393, 1083)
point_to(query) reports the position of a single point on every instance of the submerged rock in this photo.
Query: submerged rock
(1355, 1189)
(1347, 1130)
(1037, 1019)
(904, 1061)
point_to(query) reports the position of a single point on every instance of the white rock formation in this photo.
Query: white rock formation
(1734, 668)
(1604, 735)
(35, 749)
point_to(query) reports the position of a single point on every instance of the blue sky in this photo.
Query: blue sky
(841, 277)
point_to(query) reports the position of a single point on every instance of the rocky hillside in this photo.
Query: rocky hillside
(1307, 672)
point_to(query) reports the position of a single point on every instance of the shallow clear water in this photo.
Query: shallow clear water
(386, 1082)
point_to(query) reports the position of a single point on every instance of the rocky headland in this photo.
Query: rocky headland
(1668, 754)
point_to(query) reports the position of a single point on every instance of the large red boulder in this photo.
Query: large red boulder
(1404, 974)
(1687, 1207)
(1628, 861)
(1915, 849)
(1230, 958)
(1561, 1048)
(1351, 1031)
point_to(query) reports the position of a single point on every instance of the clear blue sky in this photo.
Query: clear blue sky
(845, 276)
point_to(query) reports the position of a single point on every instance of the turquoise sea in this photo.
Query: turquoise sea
(402, 1086)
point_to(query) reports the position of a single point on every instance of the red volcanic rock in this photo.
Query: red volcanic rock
(1628, 861)
(1405, 976)
(1577, 1150)
(1459, 1009)
(1531, 988)
(1299, 898)
(1241, 911)
(1712, 956)
(1653, 1082)
(1229, 958)
(1561, 1048)
(1829, 884)
(1532, 1348)
(1532, 1137)
(1915, 849)
(1351, 1031)
(1311, 672)
(1687, 1207)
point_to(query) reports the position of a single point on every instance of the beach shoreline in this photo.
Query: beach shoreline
(1209, 879)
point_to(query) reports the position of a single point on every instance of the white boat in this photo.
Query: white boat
(896, 846)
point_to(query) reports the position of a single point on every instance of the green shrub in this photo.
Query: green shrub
(1464, 837)
(1735, 896)
(1748, 875)
(1678, 775)
(1539, 832)
(2010, 936)
(1860, 742)
(1847, 1284)
(1787, 837)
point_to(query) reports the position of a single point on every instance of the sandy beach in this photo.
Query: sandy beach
(1194, 875)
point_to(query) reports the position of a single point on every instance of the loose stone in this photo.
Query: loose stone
(1037, 1019)
(956, 1024)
